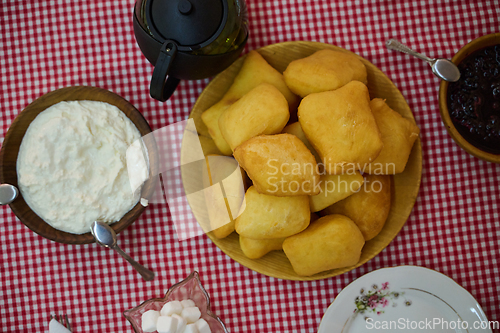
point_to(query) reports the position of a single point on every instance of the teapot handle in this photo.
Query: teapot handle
(162, 87)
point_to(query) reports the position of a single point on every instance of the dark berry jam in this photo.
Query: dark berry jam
(474, 100)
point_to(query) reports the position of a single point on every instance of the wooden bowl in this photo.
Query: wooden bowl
(476, 44)
(12, 142)
(405, 185)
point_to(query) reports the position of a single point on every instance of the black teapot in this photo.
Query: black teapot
(188, 39)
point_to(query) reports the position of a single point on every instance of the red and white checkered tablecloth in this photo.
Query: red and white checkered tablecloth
(454, 227)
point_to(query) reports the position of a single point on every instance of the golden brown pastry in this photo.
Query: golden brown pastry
(333, 241)
(263, 110)
(341, 127)
(279, 165)
(335, 188)
(210, 118)
(322, 71)
(295, 129)
(369, 208)
(398, 135)
(223, 207)
(257, 248)
(254, 71)
(266, 216)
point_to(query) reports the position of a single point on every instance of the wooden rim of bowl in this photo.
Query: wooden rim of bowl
(12, 142)
(474, 45)
(275, 264)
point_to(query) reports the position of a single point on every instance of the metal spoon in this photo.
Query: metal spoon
(442, 68)
(8, 193)
(106, 237)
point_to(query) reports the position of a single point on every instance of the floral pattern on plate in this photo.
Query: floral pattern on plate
(377, 298)
(404, 296)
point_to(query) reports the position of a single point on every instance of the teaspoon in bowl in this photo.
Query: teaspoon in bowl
(106, 236)
(442, 68)
(8, 193)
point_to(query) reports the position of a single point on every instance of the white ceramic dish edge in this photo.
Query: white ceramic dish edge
(437, 289)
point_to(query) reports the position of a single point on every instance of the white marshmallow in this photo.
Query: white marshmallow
(191, 328)
(191, 314)
(170, 308)
(203, 326)
(187, 303)
(181, 325)
(149, 319)
(167, 324)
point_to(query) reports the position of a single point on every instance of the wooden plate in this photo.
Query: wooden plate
(12, 142)
(405, 185)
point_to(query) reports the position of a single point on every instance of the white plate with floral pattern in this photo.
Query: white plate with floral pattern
(405, 298)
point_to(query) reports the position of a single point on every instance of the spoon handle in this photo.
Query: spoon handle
(393, 44)
(145, 273)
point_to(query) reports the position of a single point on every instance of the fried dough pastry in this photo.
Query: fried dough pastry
(333, 241)
(279, 165)
(254, 71)
(295, 129)
(257, 248)
(266, 216)
(210, 118)
(263, 110)
(341, 127)
(335, 188)
(398, 135)
(369, 208)
(322, 71)
(223, 207)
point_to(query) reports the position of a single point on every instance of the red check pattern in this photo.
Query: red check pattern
(454, 227)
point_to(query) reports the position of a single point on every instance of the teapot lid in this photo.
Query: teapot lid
(191, 23)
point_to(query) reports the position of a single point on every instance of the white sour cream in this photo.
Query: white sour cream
(72, 167)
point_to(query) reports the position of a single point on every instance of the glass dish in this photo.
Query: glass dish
(189, 288)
